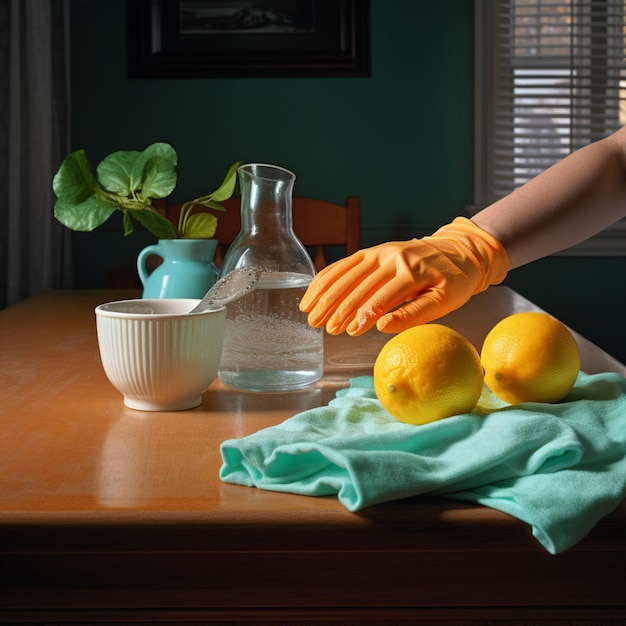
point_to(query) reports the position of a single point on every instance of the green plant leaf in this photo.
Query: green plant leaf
(213, 204)
(200, 226)
(117, 172)
(158, 175)
(162, 150)
(83, 216)
(156, 223)
(127, 222)
(226, 189)
(158, 178)
(74, 182)
(126, 172)
(125, 181)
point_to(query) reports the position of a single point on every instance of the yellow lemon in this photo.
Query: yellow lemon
(530, 357)
(427, 373)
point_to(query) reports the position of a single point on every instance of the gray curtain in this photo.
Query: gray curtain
(34, 139)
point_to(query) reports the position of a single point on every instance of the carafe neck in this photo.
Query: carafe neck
(266, 192)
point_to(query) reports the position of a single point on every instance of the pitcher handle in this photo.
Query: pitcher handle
(141, 262)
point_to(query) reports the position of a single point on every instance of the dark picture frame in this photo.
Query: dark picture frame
(265, 38)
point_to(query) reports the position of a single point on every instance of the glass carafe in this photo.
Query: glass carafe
(268, 345)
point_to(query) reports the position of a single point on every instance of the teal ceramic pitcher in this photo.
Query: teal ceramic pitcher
(187, 270)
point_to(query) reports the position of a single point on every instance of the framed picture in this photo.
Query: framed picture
(247, 38)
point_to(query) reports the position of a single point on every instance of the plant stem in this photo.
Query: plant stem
(184, 215)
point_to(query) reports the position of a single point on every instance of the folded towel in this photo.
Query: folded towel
(558, 467)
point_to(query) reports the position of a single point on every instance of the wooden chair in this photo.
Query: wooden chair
(317, 223)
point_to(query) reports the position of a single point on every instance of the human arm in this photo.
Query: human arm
(566, 204)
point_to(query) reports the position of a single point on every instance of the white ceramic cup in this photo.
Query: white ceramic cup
(157, 354)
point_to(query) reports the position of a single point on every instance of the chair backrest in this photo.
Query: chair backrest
(317, 223)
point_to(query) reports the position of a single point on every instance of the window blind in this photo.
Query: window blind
(550, 78)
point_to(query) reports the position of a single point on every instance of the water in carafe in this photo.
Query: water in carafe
(268, 343)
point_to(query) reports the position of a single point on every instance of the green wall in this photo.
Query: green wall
(401, 139)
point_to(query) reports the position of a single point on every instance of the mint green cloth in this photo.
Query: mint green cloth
(558, 467)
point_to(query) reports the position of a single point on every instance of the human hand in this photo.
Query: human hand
(400, 284)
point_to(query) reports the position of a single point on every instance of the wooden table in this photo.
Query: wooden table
(110, 514)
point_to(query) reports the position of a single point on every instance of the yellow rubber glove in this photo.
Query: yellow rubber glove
(401, 284)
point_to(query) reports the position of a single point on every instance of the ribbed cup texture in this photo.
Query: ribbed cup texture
(161, 364)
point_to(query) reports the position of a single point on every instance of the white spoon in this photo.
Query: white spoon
(229, 288)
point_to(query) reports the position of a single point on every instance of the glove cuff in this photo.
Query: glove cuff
(490, 257)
